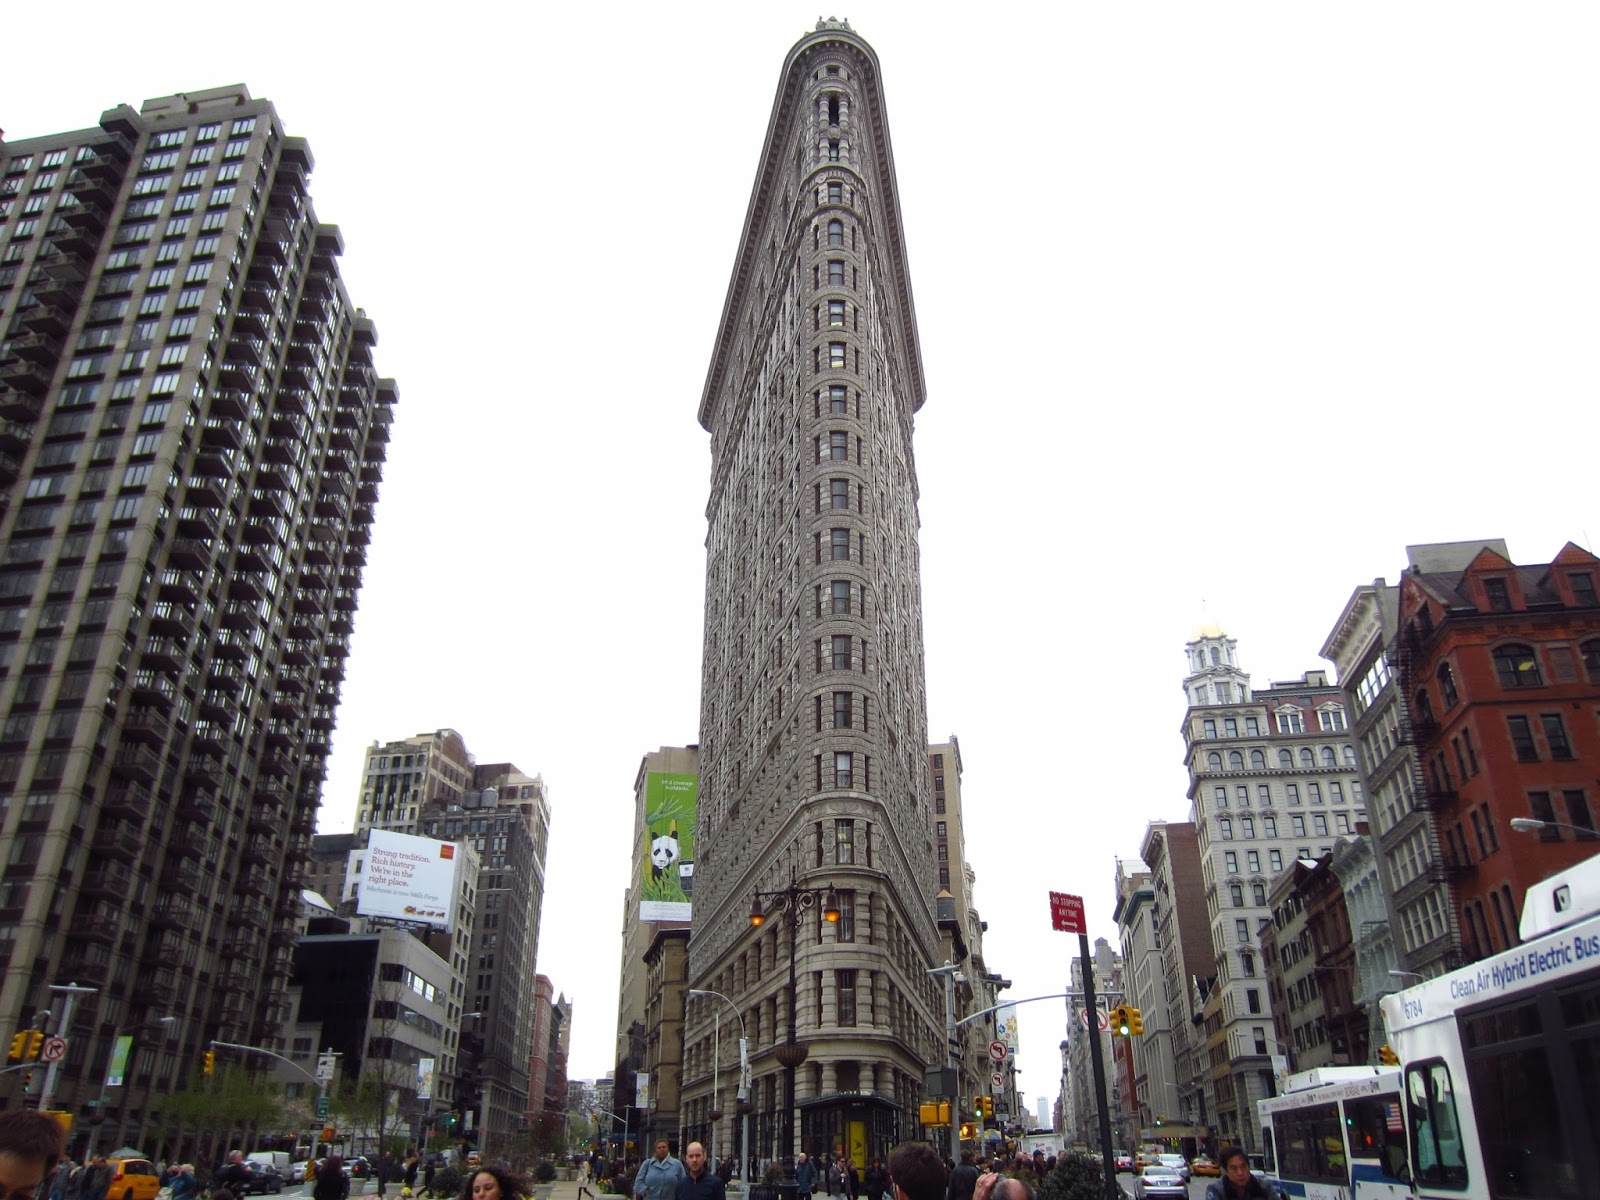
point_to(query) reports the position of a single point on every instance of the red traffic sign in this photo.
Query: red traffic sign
(1104, 1018)
(1066, 913)
(53, 1050)
(998, 1051)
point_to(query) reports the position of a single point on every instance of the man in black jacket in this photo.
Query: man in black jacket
(963, 1179)
(699, 1181)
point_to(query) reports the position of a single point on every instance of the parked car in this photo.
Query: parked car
(264, 1178)
(1178, 1163)
(133, 1179)
(359, 1167)
(1205, 1166)
(297, 1171)
(1124, 1162)
(1157, 1181)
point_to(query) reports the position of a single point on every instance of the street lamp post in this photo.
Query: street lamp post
(950, 972)
(1532, 825)
(793, 902)
(743, 1099)
(169, 1026)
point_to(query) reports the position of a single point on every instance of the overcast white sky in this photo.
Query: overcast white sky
(1221, 306)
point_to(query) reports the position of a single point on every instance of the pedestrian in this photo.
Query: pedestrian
(657, 1177)
(413, 1165)
(233, 1175)
(915, 1172)
(493, 1183)
(841, 1183)
(331, 1183)
(184, 1184)
(427, 1174)
(59, 1179)
(699, 1181)
(97, 1179)
(963, 1179)
(876, 1182)
(1011, 1188)
(1237, 1181)
(805, 1174)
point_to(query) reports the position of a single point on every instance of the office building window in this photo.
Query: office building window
(1516, 666)
(841, 597)
(845, 985)
(839, 544)
(843, 710)
(844, 831)
(841, 652)
(838, 493)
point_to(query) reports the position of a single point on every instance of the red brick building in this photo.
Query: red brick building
(1500, 667)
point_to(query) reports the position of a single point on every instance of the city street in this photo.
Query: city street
(1197, 1186)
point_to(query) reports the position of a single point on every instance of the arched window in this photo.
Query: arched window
(1329, 759)
(1447, 684)
(1591, 658)
(1213, 761)
(1235, 761)
(1517, 666)
(835, 233)
(1307, 759)
(1216, 657)
(1258, 761)
(1350, 756)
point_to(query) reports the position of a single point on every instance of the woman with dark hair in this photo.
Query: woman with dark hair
(1237, 1181)
(493, 1183)
(331, 1183)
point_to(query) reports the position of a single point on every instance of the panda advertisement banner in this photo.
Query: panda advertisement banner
(669, 815)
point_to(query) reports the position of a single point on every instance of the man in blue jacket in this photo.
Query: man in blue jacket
(699, 1181)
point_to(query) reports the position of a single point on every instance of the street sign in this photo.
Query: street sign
(998, 1051)
(322, 1106)
(1066, 913)
(997, 1079)
(1103, 1017)
(54, 1049)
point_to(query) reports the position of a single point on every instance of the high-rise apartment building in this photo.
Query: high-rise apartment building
(813, 714)
(193, 435)
(1272, 779)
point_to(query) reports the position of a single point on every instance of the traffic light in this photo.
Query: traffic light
(985, 1107)
(967, 1131)
(1121, 1020)
(19, 1042)
(977, 1108)
(1388, 1057)
(211, 1062)
(1135, 1022)
(35, 1041)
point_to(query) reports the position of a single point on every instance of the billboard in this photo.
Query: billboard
(407, 878)
(667, 873)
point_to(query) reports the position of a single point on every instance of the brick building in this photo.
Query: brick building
(1500, 668)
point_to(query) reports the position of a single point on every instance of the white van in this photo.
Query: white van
(272, 1158)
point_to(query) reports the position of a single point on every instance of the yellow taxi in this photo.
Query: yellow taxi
(133, 1179)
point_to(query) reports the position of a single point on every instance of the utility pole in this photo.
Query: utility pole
(948, 971)
(71, 991)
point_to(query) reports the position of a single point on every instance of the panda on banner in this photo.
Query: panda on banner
(665, 853)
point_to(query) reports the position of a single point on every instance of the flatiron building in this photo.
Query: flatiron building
(813, 723)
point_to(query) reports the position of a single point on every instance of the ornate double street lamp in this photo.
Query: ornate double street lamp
(795, 903)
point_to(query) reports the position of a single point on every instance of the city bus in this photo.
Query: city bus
(1501, 1059)
(1337, 1133)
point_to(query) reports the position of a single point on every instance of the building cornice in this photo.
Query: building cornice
(774, 165)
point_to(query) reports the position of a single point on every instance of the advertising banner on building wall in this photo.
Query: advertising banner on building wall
(425, 1079)
(667, 880)
(407, 878)
(1005, 1027)
(118, 1067)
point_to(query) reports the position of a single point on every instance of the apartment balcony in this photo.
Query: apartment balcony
(118, 843)
(14, 438)
(344, 599)
(156, 692)
(184, 877)
(298, 401)
(254, 881)
(187, 845)
(266, 271)
(91, 191)
(261, 848)
(82, 242)
(19, 406)
(216, 705)
(281, 734)
(172, 912)
(333, 669)
(367, 493)
(272, 249)
(205, 495)
(86, 216)
(341, 622)
(269, 502)
(213, 463)
(107, 879)
(163, 654)
(97, 928)
(139, 763)
(333, 507)
(238, 615)
(277, 764)
(48, 318)
(251, 322)
(78, 967)
(197, 522)
(221, 434)
(145, 725)
(251, 915)
(229, 645)
(104, 167)
(10, 467)
(246, 349)
(164, 954)
(23, 376)
(209, 741)
(190, 554)
(37, 347)
(127, 801)
(205, 775)
(341, 467)
(343, 439)
(195, 805)
(253, 586)
(179, 586)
